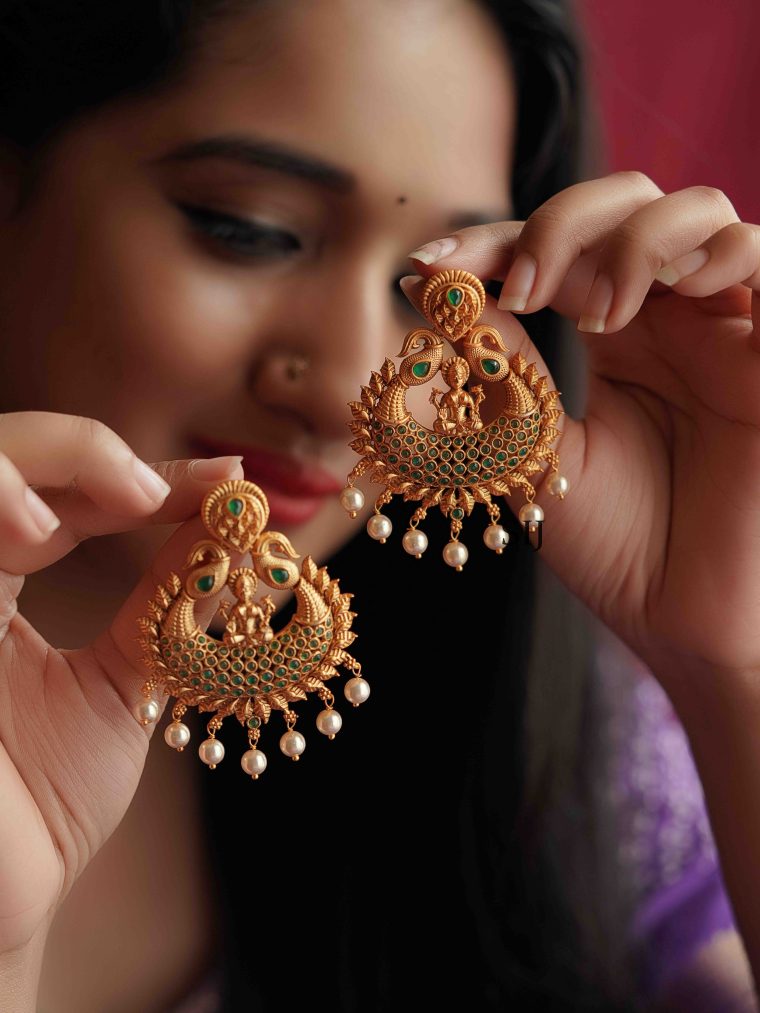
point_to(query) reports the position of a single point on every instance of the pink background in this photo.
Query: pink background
(677, 85)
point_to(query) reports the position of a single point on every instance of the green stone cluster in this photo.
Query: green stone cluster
(420, 455)
(208, 665)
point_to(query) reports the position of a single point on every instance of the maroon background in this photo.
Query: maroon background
(677, 87)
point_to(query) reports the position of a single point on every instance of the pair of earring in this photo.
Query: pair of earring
(459, 461)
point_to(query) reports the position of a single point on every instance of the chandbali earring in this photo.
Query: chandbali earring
(252, 670)
(462, 460)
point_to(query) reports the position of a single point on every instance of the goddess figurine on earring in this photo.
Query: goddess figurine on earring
(463, 459)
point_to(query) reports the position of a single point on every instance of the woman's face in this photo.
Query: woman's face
(183, 254)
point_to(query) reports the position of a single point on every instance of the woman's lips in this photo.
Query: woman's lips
(296, 491)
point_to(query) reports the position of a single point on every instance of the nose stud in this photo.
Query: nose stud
(296, 366)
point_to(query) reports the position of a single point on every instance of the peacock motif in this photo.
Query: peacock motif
(463, 459)
(252, 670)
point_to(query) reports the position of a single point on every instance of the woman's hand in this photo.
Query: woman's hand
(660, 532)
(71, 751)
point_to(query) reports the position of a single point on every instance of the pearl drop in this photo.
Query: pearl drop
(558, 485)
(379, 527)
(531, 512)
(177, 735)
(253, 762)
(356, 690)
(352, 500)
(292, 744)
(455, 554)
(211, 751)
(495, 537)
(415, 542)
(329, 722)
(146, 711)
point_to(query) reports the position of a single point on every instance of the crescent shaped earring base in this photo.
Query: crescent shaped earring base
(252, 670)
(462, 460)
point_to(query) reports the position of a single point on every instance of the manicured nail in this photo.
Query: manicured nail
(518, 284)
(437, 250)
(407, 283)
(209, 468)
(151, 484)
(597, 308)
(41, 513)
(690, 263)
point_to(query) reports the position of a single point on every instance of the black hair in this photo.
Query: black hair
(454, 814)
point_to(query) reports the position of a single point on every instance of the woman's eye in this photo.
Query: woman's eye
(245, 238)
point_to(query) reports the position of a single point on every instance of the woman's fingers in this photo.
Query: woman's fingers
(593, 251)
(81, 517)
(535, 256)
(729, 257)
(641, 246)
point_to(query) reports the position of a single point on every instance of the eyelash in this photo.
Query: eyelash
(239, 236)
(245, 238)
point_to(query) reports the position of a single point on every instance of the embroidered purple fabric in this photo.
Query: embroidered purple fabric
(666, 854)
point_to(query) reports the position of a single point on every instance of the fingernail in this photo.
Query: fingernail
(209, 468)
(41, 513)
(408, 282)
(437, 250)
(597, 308)
(690, 263)
(151, 484)
(518, 284)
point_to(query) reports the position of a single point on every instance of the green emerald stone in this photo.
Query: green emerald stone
(253, 722)
(457, 514)
(279, 575)
(281, 683)
(490, 366)
(454, 296)
(421, 369)
(204, 583)
(235, 506)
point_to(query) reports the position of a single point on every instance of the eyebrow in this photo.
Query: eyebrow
(258, 153)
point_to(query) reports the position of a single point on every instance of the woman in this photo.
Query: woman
(205, 206)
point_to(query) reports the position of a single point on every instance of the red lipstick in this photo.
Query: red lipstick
(295, 489)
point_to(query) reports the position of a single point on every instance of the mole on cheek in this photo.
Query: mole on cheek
(401, 200)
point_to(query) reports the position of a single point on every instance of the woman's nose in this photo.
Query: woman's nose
(337, 332)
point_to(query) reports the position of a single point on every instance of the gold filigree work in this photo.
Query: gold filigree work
(253, 670)
(464, 459)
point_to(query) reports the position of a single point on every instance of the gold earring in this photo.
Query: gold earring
(252, 670)
(462, 460)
